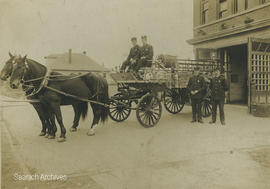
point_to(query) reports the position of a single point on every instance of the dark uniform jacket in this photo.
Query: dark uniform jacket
(197, 83)
(218, 86)
(134, 53)
(147, 52)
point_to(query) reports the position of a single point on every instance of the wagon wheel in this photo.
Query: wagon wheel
(117, 110)
(173, 101)
(206, 107)
(149, 110)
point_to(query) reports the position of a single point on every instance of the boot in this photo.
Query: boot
(193, 120)
(200, 121)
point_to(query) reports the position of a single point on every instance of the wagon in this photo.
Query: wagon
(160, 83)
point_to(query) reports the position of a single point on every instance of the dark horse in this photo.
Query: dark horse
(45, 117)
(89, 86)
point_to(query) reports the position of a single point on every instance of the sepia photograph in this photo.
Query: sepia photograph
(135, 94)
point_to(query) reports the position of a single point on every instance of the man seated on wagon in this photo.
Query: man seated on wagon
(133, 57)
(147, 54)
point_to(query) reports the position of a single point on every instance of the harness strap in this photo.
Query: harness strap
(74, 77)
(76, 97)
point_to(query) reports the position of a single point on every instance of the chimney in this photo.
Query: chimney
(84, 52)
(69, 55)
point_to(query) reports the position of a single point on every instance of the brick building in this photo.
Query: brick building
(238, 33)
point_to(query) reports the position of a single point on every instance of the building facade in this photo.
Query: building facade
(238, 33)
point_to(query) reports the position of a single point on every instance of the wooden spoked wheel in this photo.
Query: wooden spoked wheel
(206, 107)
(120, 108)
(149, 110)
(173, 101)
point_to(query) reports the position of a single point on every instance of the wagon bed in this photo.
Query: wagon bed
(154, 85)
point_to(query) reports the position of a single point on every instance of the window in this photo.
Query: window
(223, 8)
(246, 4)
(235, 6)
(204, 12)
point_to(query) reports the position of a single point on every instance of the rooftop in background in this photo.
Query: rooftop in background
(73, 61)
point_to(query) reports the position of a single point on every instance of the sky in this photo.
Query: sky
(102, 28)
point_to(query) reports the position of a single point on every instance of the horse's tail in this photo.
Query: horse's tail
(100, 86)
(104, 98)
(84, 109)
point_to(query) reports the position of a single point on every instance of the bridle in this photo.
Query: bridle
(28, 87)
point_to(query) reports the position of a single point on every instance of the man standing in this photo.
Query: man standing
(146, 54)
(218, 86)
(133, 57)
(196, 87)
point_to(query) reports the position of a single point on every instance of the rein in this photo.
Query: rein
(30, 80)
(49, 76)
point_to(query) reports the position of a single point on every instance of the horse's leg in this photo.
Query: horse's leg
(76, 120)
(57, 111)
(41, 115)
(53, 129)
(95, 121)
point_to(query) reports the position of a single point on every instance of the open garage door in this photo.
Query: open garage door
(259, 76)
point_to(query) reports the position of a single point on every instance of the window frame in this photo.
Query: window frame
(204, 12)
(221, 11)
(262, 2)
(235, 6)
(246, 4)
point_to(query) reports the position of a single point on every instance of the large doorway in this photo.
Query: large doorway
(237, 57)
(259, 74)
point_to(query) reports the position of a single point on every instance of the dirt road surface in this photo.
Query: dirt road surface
(174, 154)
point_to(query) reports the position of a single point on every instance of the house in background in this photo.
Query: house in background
(73, 62)
(69, 62)
(238, 33)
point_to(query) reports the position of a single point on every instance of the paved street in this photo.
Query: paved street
(174, 154)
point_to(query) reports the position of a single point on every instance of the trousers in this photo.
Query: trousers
(220, 104)
(196, 104)
(125, 64)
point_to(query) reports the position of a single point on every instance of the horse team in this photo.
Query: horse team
(37, 83)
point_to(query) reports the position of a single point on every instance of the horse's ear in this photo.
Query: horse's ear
(9, 53)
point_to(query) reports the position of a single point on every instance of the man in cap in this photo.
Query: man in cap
(196, 86)
(218, 87)
(147, 54)
(133, 57)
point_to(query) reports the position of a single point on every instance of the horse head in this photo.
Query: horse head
(7, 69)
(19, 67)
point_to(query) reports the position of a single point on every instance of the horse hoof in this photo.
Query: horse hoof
(51, 137)
(42, 134)
(72, 129)
(90, 133)
(61, 139)
(46, 135)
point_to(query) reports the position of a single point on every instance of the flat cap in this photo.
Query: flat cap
(144, 37)
(133, 39)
